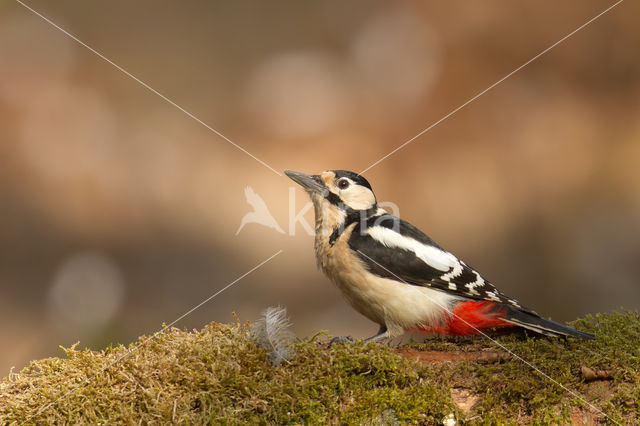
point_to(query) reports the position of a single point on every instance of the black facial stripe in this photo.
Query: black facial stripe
(353, 216)
(336, 233)
(334, 199)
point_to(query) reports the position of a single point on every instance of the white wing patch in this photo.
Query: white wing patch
(473, 292)
(479, 282)
(456, 271)
(444, 261)
(432, 256)
(492, 296)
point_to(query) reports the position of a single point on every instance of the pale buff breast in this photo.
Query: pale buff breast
(385, 301)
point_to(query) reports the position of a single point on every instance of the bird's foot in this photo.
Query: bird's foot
(382, 335)
(341, 340)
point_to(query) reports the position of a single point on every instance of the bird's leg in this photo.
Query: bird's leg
(382, 334)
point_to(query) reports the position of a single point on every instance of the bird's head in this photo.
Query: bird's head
(334, 190)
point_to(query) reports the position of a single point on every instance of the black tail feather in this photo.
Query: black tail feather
(540, 325)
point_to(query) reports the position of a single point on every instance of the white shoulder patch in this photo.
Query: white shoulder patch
(432, 256)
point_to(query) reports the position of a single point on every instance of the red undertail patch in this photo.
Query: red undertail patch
(470, 318)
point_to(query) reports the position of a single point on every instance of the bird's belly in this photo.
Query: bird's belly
(393, 303)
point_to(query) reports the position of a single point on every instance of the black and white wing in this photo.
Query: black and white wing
(393, 248)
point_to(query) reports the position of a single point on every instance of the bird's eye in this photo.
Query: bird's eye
(343, 184)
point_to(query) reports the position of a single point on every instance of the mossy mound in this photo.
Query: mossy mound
(219, 375)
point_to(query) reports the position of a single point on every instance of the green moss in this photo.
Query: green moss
(219, 375)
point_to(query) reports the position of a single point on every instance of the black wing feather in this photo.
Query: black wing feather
(395, 262)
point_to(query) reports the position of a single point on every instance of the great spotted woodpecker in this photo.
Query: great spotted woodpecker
(398, 277)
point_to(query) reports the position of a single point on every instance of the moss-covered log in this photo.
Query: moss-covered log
(220, 374)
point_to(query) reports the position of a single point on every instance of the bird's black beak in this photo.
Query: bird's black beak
(311, 183)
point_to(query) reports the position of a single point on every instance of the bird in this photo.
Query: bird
(395, 275)
(260, 213)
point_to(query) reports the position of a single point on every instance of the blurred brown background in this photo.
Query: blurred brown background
(118, 212)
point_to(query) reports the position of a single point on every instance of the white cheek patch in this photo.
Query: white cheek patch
(358, 197)
(432, 256)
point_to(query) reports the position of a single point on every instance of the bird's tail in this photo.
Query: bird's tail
(535, 323)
